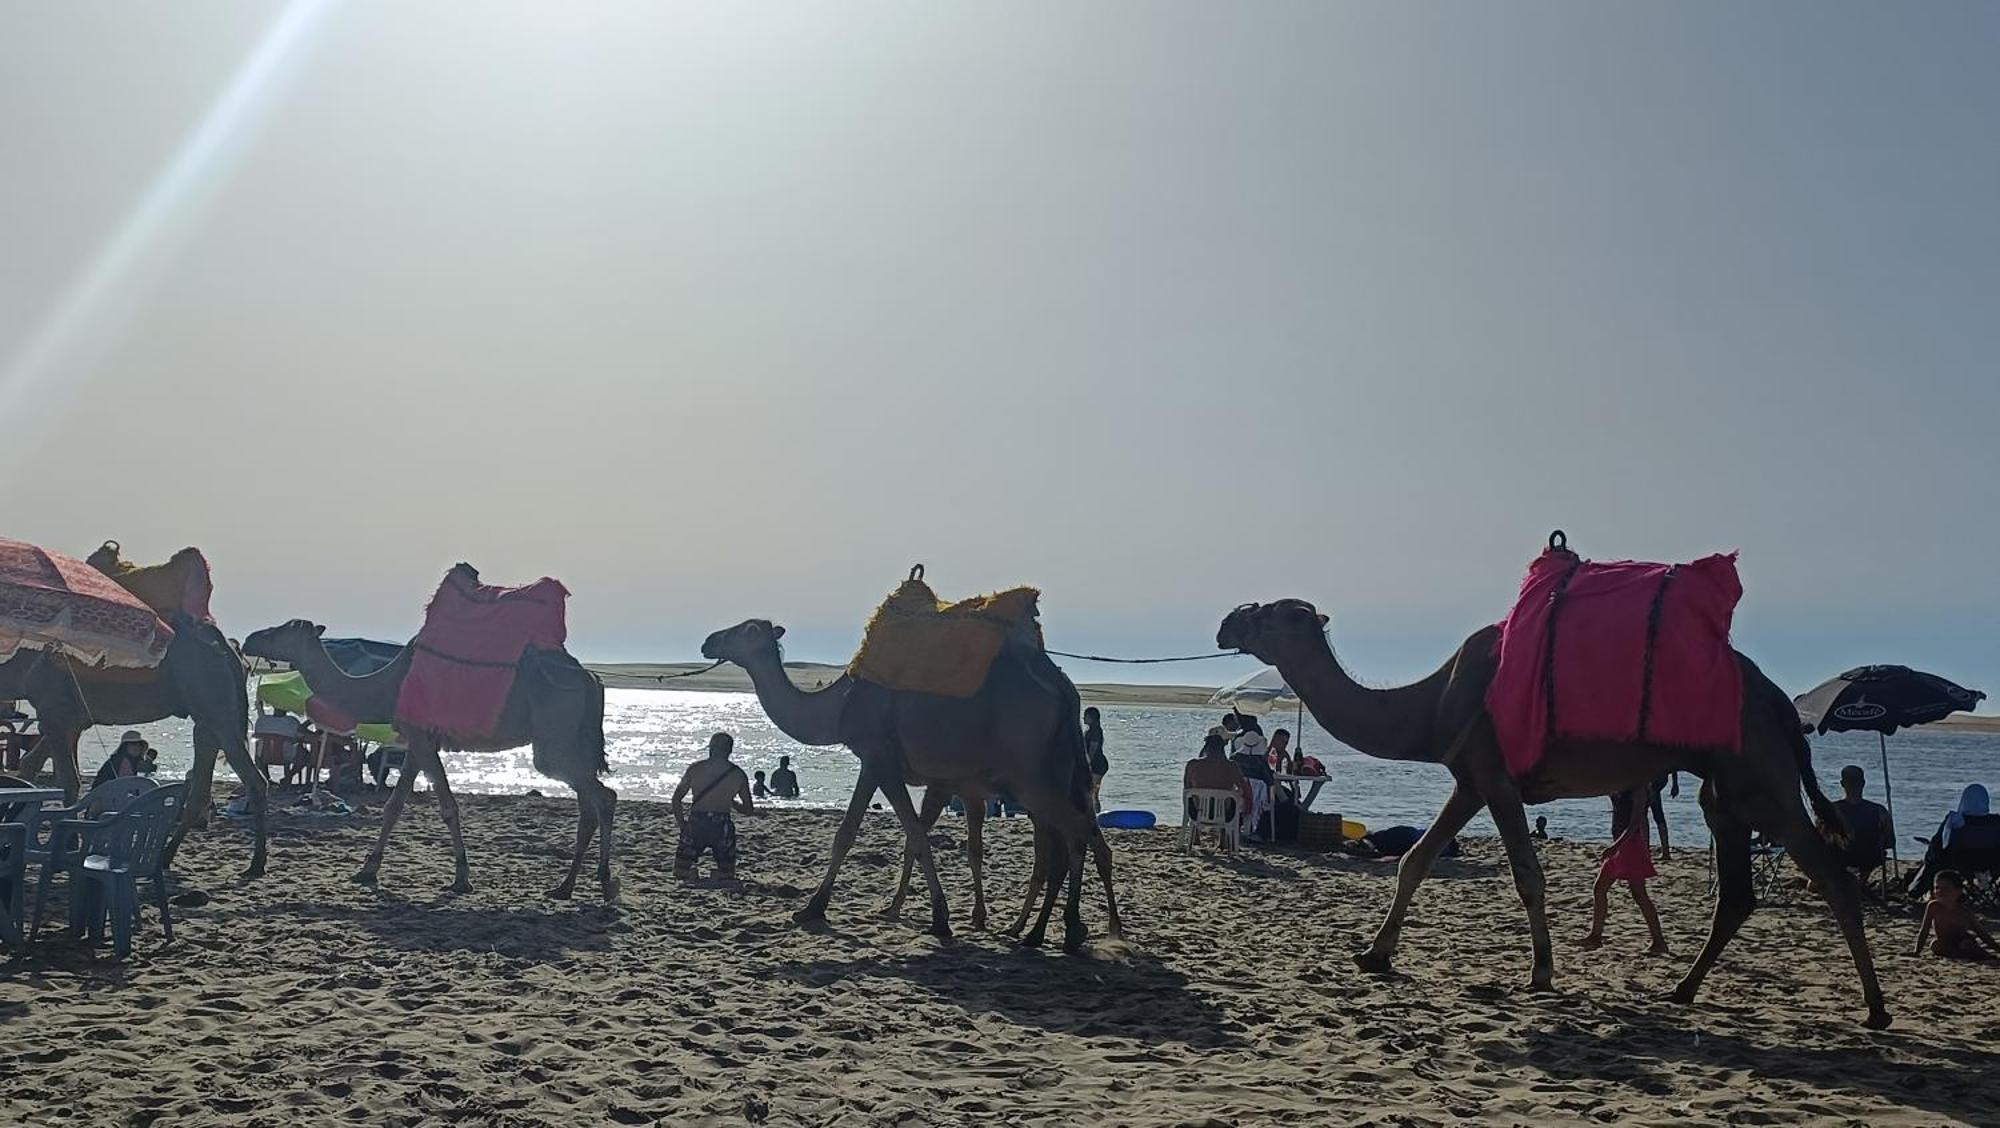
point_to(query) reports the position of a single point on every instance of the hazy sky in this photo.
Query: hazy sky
(738, 309)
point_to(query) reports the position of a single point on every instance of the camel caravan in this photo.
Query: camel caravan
(1602, 677)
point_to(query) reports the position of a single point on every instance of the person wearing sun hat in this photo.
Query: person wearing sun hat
(126, 759)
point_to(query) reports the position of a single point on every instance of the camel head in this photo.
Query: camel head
(746, 641)
(285, 642)
(1272, 631)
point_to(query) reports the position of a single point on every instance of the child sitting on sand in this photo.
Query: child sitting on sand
(1630, 860)
(1959, 934)
(717, 785)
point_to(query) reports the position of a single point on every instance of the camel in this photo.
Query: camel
(1443, 720)
(1019, 734)
(555, 705)
(201, 677)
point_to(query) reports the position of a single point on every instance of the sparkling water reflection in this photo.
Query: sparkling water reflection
(653, 734)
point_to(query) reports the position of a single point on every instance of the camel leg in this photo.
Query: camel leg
(1036, 877)
(1816, 860)
(448, 807)
(607, 804)
(61, 746)
(914, 836)
(975, 851)
(1735, 898)
(850, 825)
(1511, 818)
(1047, 844)
(935, 801)
(1416, 865)
(255, 786)
(1101, 850)
(413, 762)
(1074, 933)
(586, 828)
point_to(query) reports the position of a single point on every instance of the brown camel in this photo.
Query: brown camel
(1442, 720)
(201, 677)
(555, 705)
(1020, 734)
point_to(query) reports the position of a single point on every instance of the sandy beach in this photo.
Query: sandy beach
(305, 999)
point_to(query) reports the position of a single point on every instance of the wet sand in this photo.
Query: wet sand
(304, 999)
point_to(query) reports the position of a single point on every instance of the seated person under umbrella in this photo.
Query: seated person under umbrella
(1869, 832)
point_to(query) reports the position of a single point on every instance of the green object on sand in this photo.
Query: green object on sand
(290, 693)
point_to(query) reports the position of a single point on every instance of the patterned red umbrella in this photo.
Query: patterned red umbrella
(53, 602)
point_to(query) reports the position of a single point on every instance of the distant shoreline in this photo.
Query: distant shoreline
(732, 679)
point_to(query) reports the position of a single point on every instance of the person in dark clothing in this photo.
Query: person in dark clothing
(1671, 784)
(1868, 831)
(129, 758)
(1093, 752)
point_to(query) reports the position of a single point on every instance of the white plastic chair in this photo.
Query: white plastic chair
(1211, 809)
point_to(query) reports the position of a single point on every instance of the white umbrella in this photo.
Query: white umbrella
(1257, 694)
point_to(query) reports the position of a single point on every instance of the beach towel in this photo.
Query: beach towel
(470, 648)
(1627, 652)
(49, 601)
(181, 584)
(919, 644)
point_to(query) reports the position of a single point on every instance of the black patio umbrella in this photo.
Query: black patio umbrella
(1882, 699)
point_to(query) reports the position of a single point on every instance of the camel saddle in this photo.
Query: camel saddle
(1624, 652)
(474, 641)
(917, 643)
(180, 586)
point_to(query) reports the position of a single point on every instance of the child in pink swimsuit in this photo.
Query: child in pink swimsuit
(1630, 860)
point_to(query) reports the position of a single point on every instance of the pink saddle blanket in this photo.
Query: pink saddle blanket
(470, 648)
(1626, 652)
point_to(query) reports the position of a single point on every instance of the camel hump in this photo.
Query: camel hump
(918, 644)
(181, 586)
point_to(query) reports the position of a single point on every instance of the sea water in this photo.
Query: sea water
(652, 735)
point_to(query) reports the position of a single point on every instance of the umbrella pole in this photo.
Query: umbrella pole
(1300, 725)
(1889, 794)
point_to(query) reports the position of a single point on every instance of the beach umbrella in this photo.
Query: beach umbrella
(1882, 699)
(58, 603)
(1260, 693)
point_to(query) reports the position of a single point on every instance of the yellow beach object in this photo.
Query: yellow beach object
(1351, 830)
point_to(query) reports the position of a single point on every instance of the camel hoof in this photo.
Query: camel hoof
(889, 912)
(561, 892)
(255, 871)
(1073, 943)
(364, 877)
(1032, 940)
(1877, 1020)
(1683, 996)
(978, 921)
(462, 885)
(1541, 985)
(942, 932)
(609, 887)
(1372, 962)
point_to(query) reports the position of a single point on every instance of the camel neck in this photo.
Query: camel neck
(1387, 724)
(809, 718)
(371, 697)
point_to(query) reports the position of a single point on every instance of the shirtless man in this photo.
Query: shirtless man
(717, 784)
(1959, 933)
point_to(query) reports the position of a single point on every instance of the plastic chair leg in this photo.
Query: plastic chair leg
(124, 906)
(160, 899)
